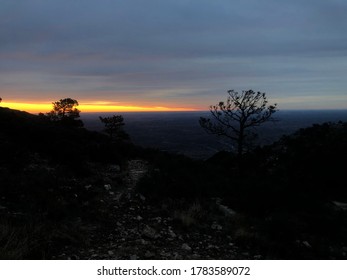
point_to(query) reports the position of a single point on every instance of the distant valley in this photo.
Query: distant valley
(180, 132)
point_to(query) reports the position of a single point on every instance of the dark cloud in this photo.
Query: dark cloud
(136, 49)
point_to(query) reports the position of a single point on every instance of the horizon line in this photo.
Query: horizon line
(98, 108)
(93, 108)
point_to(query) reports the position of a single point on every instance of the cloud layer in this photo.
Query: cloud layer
(182, 52)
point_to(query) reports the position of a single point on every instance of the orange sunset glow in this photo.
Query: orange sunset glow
(92, 107)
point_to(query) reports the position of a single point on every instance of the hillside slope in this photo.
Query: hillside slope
(67, 192)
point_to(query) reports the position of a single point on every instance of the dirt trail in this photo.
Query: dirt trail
(139, 230)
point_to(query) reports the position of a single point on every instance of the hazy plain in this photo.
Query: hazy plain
(180, 132)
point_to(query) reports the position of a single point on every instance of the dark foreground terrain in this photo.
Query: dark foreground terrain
(71, 193)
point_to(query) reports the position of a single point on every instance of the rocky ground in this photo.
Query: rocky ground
(137, 229)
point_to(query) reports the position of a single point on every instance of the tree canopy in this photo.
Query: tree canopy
(234, 118)
(114, 127)
(65, 111)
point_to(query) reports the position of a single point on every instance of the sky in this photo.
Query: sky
(149, 55)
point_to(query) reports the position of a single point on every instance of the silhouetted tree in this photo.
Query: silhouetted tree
(0, 99)
(234, 118)
(65, 111)
(114, 127)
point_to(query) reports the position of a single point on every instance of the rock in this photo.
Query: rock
(118, 197)
(306, 244)
(88, 187)
(172, 234)
(142, 242)
(165, 254)
(226, 210)
(133, 257)
(114, 168)
(186, 247)
(216, 226)
(139, 218)
(340, 205)
(149, 232)
(149, 254)
(176, 256)
(110, 253)
(107, 187)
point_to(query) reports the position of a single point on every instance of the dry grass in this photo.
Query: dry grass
(190, 216)
(33, 239)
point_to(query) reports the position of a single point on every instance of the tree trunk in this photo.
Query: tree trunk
(240, 143)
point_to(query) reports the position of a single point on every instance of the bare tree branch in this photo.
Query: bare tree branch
(234, 117)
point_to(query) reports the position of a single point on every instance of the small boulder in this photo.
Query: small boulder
(186, 247)
(149, 232)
